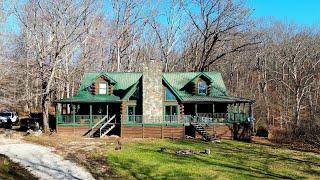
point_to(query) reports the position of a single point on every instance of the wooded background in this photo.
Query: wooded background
(274, 63)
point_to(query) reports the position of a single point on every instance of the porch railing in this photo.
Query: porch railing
(78, 119)
(167, 119)
(202, 118)
(207, 118)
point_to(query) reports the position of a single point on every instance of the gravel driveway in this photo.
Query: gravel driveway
(41, 161)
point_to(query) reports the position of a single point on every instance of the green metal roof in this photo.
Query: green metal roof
(90, 99)
(178, 80)
(123, 79)
(125, 84)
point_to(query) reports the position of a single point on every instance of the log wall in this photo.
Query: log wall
(73, 130)
(153, 131)
(143, 131)
(220, 130)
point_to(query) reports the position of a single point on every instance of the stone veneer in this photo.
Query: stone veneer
(152, 96)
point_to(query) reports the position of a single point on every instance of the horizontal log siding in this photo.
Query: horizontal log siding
(131, 131)
(72, 130)
(221, 131)
(174, 132)
(140, 131)
(153, 131)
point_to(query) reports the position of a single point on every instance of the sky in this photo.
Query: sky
(303, 12)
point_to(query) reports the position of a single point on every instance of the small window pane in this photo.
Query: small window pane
(202, 88)
(168, 110)
(174, 110)
(102, 85)
(131, 110)
(103, 91)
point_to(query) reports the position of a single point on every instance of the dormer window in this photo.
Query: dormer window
(103, 88)
(202, 88)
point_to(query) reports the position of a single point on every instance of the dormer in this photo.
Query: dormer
(199, 85)
(103, 85)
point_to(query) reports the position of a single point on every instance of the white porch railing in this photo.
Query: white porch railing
(141, 119)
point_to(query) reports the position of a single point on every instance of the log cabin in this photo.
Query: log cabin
(152, 104)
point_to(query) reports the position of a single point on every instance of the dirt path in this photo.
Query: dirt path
(41, 161)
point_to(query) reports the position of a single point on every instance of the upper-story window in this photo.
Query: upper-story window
(103, 88)
(202, 88)
(169, 96)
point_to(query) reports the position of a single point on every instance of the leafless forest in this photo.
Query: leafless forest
(274, 63)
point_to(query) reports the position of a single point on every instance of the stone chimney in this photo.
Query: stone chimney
(152, 95)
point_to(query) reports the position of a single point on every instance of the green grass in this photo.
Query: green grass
(228, 160)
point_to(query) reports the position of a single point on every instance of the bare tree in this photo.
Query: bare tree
(51, 28)
(169, 33)
(219, 28)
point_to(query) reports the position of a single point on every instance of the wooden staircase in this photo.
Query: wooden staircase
(101, 132)
(200, 129)
(101, 128)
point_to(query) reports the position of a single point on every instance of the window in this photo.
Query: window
(169, 96)
(102, 88)
(171, 113)
(132, 118)
(171, 110)
(202, 88)
(131, 110)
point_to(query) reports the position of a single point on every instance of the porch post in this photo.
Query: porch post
(108, 111)
(196, 109)
(239, 113)
(58, 115)
(90, 111)
(73, 114)
(212, 111)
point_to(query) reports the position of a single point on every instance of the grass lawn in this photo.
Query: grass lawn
(141, 159)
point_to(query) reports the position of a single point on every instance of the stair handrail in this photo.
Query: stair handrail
(105, 124)
(98, 123)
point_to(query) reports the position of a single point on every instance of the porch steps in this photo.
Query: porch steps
(104, 131)
(101, 128)
(200, 129)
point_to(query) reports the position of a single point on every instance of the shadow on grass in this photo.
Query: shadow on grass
(139, 170)
(217, 165)
(227, 159)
